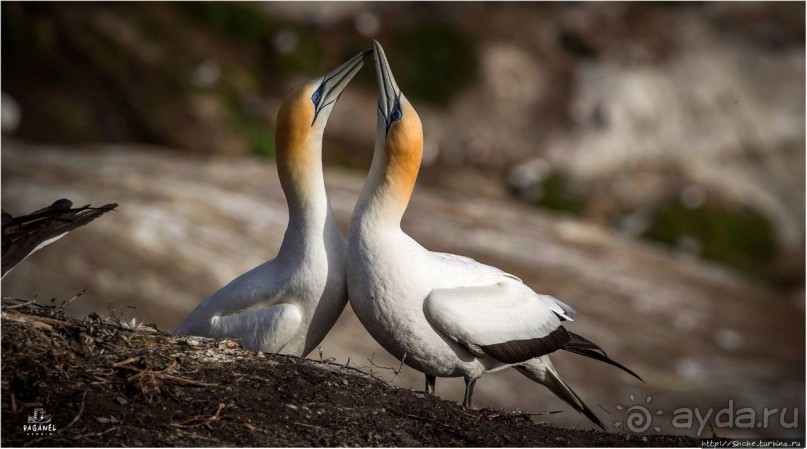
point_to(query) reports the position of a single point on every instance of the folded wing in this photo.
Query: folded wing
(267, 329)
(255, 309)
(506, 321)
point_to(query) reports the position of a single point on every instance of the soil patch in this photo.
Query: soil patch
(105, 382)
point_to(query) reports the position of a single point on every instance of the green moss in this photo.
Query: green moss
(557, 192)
(261, 138)
(738, 237)
(433, 61)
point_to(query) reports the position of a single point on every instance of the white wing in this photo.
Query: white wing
(473, 265)
(254, 309)
(268, 329)
(454, 257)
(506, 320)
(566, 311)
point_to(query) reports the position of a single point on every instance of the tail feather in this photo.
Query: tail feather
(545, 375)
(586, 348)
(563, 391)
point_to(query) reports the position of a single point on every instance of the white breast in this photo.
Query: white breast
(389, 277)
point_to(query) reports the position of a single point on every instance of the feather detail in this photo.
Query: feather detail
(24, 235)
(586, 348)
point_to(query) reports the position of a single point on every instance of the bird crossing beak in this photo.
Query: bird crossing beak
(335, 82)
(388, 92)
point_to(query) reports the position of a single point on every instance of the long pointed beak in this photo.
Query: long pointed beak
(335, 82)
(388, 91)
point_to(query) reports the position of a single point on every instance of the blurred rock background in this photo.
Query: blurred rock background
(644, 162)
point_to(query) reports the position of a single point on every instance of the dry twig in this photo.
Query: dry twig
(18, 305)
(96, 434)
(60, 309)
(162, 375)
(394, 370)
(126, 362)
(308, 425)
(199, 420)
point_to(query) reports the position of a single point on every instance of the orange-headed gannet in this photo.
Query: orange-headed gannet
(287, 305)
(444, 315)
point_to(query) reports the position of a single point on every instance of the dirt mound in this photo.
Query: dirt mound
(105, 382)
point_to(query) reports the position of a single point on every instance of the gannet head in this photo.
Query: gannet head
(399, 128)
(305, 109)
(301, 124)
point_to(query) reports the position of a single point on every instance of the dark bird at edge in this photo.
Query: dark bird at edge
(26, 234)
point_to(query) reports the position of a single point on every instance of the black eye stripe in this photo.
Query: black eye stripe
(332, 102)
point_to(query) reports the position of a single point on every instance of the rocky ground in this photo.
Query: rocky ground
(108, 383)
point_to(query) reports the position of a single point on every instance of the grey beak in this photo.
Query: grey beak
(388, 91)
(335, 81)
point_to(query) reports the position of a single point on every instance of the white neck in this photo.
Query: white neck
(310, 214)
(377, 206)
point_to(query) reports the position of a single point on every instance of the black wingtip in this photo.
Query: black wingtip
(597, 422)
(581, 346)
(565, 392)
(588, 413)
(23, 234)
(106, 207)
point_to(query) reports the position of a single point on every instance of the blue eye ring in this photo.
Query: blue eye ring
(396, 115)
(315, 97)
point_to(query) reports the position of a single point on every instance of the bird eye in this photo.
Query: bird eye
(315, 97)
(396, 115)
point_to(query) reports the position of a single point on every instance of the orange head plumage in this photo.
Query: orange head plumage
(302, 118)
(293, 129)
(400, 127)
(404, 148)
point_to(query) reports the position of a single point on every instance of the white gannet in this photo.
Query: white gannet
(444, 315)
(26, 234)
(288, 304)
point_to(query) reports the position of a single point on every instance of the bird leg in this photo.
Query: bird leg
(469, 392)
(430, 380)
